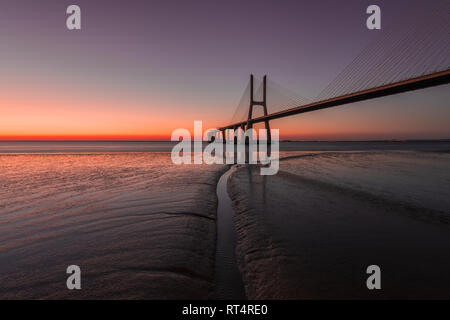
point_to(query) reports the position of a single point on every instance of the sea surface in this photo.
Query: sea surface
(166, 146)
(141, 227)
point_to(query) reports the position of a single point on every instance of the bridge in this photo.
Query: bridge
(430, 80)
(401, 59)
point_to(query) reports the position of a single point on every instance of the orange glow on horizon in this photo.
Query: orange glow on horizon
(36, 114)
(86, 137)
(43, 116)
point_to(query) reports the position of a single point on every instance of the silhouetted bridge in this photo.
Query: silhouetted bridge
(404, 56)
(430, 80)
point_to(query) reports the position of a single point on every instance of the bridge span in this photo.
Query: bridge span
(425, 81)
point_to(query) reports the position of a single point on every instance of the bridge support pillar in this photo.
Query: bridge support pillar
(262, 103)
(243, 132)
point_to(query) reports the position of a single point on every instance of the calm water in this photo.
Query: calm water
(137, 225)
(312, 230)
(141, 227)
(166, 146)
(84, 146)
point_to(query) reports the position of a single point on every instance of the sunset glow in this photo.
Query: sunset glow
(130, 81)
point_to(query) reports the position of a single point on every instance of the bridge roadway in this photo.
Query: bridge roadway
(429, 80)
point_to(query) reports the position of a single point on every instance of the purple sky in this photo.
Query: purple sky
(190, 60)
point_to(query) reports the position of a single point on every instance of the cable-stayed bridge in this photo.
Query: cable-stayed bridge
(404, 57)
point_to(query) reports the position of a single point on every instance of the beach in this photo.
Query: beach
(311, 231)
(140, 227)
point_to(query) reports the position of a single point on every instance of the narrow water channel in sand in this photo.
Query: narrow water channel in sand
(228, 280)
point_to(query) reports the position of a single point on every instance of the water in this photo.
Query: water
(312, 230)
(415, 179)
(137, 225)
(166, 146)
(84, 146)
(141, 227)
(228, 279)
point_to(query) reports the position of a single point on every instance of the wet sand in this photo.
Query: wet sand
(311, 230)
(142, 228)
(137, 225)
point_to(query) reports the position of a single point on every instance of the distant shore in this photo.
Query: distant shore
(117, 146)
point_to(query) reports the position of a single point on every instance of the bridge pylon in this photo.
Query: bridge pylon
(262, 103)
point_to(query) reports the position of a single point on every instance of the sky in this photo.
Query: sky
(141, 69)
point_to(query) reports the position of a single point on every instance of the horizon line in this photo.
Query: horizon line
(175, 141)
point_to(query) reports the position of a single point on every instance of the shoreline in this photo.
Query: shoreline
(142, 228)
(138, 227)
(306, 234)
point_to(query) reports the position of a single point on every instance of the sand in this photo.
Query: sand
(138, 226)
(310, 231)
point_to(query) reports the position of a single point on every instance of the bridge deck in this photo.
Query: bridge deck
(422, 82)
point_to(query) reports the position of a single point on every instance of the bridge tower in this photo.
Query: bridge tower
(262, 103)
